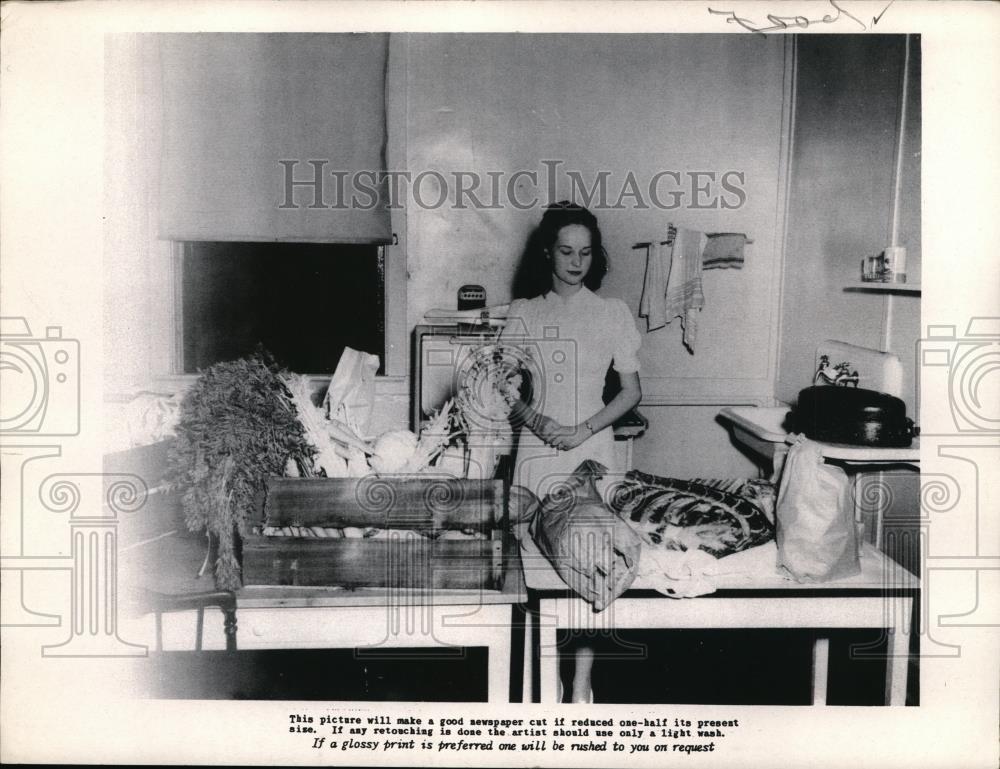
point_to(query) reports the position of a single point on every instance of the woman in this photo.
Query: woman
(573, 336)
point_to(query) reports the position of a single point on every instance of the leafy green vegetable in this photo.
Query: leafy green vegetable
(237, 428)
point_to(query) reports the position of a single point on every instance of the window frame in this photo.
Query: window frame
(186, 247)
(393, 306)
(165, 329)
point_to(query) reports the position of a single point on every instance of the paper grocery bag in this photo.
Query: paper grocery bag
(351, 394)
(815, 532)
(594, 551)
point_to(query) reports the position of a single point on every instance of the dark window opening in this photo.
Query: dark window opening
(302, 302)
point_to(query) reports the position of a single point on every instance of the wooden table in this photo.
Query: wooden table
(327, 617)
(881, 596)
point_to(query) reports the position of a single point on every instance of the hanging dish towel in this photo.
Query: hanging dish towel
(724, 250)
(672, 288)
(672, 283)
(684, 295)
(653, 305)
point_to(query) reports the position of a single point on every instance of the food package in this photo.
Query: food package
(592, 549)
(393, 451)
(678, 514)
(816, 536)
(454, 461)
(854, 416)
(350, 397)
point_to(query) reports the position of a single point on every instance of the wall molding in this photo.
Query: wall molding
(671, 391)
(174, 384)
(787, 147)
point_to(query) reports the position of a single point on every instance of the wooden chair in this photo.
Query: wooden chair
(161, 603)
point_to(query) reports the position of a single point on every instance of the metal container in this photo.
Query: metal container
(852, 416)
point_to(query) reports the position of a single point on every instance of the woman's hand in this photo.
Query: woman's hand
(572, 437)
(560, 436)
(546, 428)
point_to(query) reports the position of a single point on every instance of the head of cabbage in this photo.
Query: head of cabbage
(392, 451)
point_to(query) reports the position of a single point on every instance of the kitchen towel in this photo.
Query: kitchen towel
(672, 284)
(724, 250)
(653, 304)
(684, 297)
(690, 573)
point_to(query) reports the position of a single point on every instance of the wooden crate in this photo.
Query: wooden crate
(401, 559)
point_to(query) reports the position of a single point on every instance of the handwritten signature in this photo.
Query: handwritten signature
(779, 23)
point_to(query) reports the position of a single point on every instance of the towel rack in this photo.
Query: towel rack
(647, 243)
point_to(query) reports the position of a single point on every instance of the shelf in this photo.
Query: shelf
(872, 454)
(763, 423)
(882, 288)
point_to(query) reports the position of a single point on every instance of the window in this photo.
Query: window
(303, 302)
(288, 96)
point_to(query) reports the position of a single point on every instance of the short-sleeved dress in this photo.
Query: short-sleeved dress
(571, 342)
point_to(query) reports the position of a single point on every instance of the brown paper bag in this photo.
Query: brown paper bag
(350, 397)
(592, 549)
(816, 536)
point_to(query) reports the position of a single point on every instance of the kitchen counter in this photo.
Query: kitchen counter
(762, 430)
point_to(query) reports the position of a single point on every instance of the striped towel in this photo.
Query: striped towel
(724, 250)
(672, 286)
(653, 305)
(684, 297)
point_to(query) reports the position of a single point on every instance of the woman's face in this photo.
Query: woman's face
(571, 254)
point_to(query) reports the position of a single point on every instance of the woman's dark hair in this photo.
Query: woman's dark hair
(534, 273)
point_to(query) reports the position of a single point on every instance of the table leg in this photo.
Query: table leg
(778, 463)
(898, 658)
(548, 663)
(530, 650)
(821, 666)
(498, 665)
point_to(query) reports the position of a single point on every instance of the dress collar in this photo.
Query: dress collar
(580, 296)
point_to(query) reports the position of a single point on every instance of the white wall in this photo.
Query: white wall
(846, 128)
(845, 142)
(615, 103)
(137, 267)
(505, 103)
